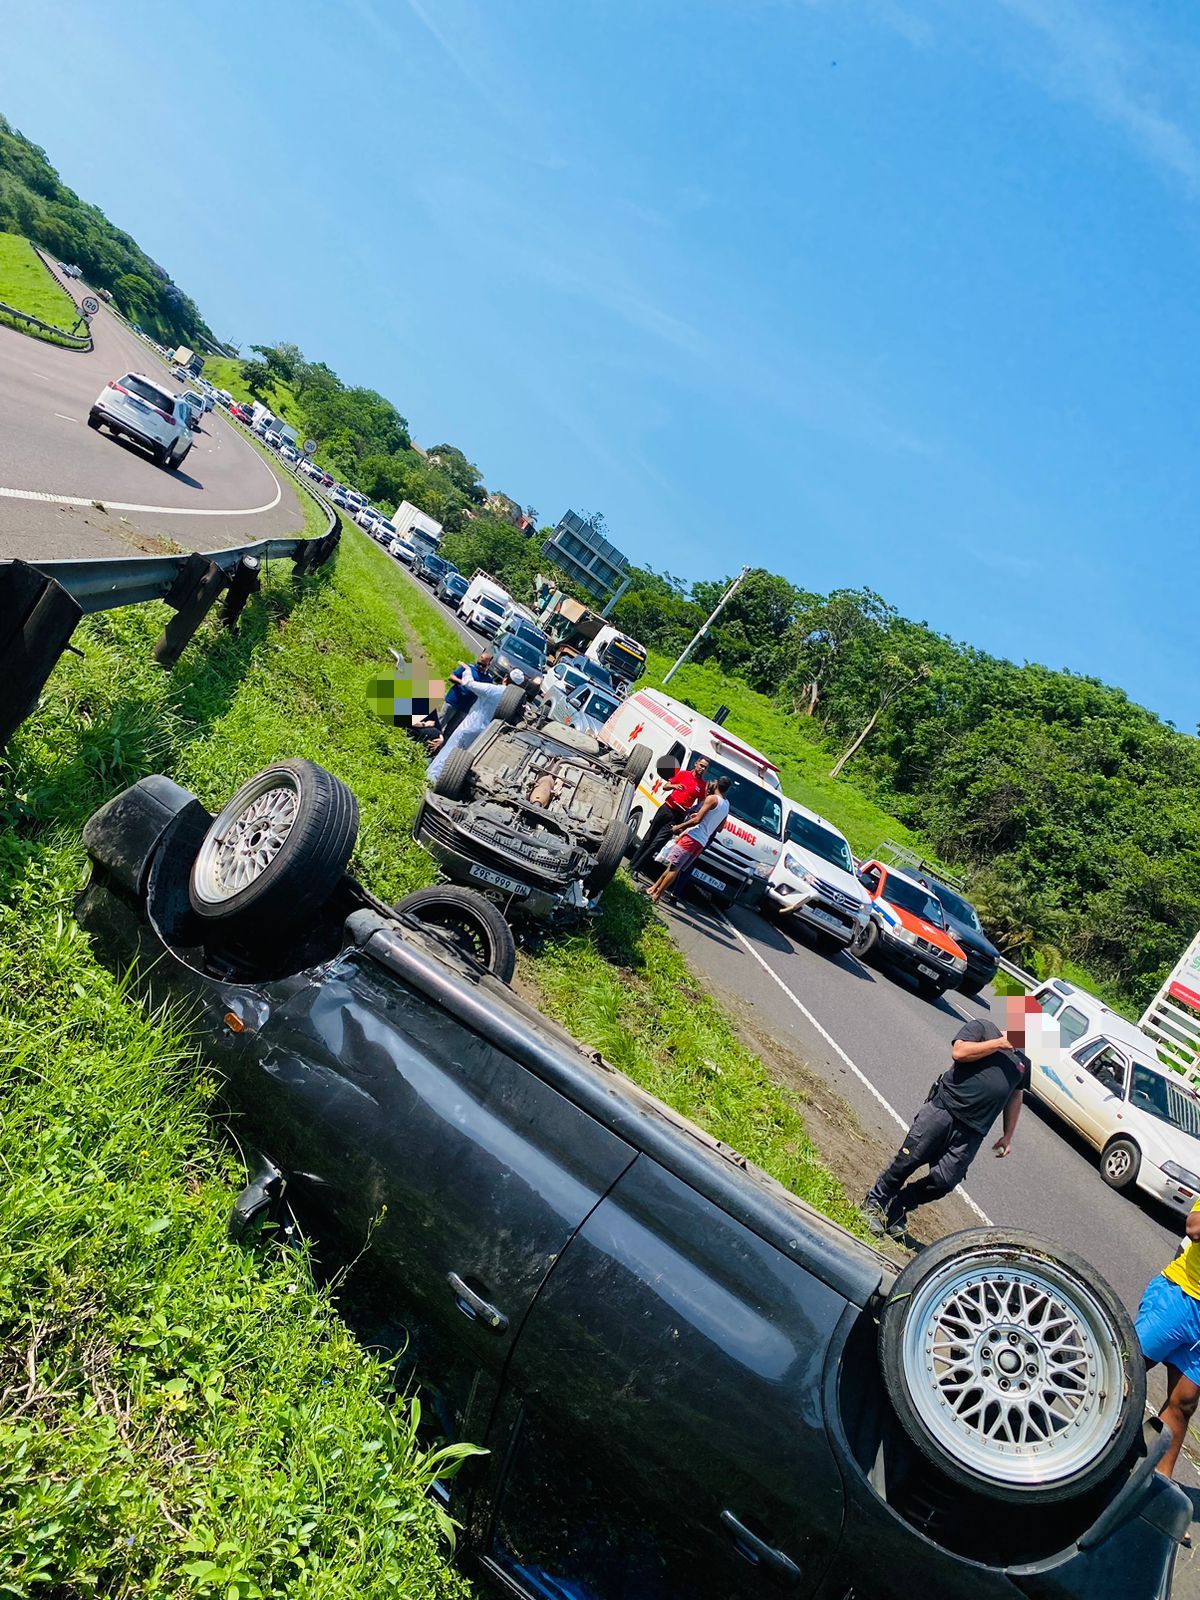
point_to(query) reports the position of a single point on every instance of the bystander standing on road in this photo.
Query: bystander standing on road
(693, 834)
(685, 791)
(988, 1077)
(460, 696)
(483, 709)
(1168, 1330)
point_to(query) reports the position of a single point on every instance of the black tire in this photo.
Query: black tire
(471, 923)
(984, 1295)
(181, 458)
(510, 705)
(1120, 1163)
(161, 454)
(609, 856)
(636, 763)
(94, 419)
(451, 782)
(309, 850)
(635, 827)
(865, 942)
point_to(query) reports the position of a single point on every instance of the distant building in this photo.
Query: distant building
(586, 556)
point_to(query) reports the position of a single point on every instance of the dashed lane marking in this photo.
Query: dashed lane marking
(62, 416)
(841, 1054)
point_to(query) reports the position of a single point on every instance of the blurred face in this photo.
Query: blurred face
(485, 659)
(1015, 1017)
(701, 767)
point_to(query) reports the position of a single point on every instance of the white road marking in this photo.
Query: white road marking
(125, 505)
(835, 1046)
(63, 417)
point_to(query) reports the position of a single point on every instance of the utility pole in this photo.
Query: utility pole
(720, 606)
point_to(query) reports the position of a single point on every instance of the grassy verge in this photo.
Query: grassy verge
(803, 765)
(225, 373)
(181, 1416)
(27, 286)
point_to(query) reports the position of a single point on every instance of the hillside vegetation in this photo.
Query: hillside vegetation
(36, 203)
(27, 286)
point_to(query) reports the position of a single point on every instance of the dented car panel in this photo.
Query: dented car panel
(613, 1303)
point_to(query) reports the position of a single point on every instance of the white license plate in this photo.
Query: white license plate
(703, 877)
(819, 914)
(927, 972)
(498, 880)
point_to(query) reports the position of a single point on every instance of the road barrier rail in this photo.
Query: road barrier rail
(40, 605)
(71, 341)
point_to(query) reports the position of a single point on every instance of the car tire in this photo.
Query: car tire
(94, 419)
(470, 922)
(636, 763)
(277, 850)
(954, 1315)
(451, 782)
(864, 943)
(1119, 1163)
(609, 856)
(635, 828)
(162, 455)
(511, 705)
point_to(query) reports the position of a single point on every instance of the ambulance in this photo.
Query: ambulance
(740, 860)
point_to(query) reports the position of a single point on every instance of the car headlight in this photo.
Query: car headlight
(795, 865)
(763, 869)
(905, 935)
(1172, 1169)
(959, 963)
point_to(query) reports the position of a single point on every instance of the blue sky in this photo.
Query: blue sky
(863, 291)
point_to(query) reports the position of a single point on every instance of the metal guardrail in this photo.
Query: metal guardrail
(41, 605)
(71, 341)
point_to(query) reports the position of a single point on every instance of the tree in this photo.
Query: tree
(897, 676)
(257, 376)
(821, 634)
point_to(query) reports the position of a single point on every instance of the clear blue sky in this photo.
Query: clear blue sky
(888, 292)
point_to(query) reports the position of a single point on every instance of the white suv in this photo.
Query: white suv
(813, 881)
(145, 412)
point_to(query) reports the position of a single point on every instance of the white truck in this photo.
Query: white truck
(422, 531)
(739, 861)
(484, 604)
(624, 657)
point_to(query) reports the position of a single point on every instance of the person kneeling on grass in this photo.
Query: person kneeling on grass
(693, 834)
(1168, 1330)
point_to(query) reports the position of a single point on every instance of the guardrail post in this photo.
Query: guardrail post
(37, 618)
(193, 596)
(245, 582)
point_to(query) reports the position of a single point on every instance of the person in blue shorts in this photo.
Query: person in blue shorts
(1168, 1330)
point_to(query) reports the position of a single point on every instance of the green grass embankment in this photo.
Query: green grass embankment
(26, 285)
(183, 1416)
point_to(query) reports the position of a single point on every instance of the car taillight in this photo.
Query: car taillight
(167, 416)
(118, 388)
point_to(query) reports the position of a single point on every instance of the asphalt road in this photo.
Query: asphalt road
(53, 467)
(874, 1041)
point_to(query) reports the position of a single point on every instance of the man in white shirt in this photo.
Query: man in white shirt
(693, 833)
(487, 696)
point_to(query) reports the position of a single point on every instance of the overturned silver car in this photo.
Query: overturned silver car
(534, 813)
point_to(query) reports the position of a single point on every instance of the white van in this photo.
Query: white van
(485, 604)
(1106, 1080)
(740, 860)
(813, 881)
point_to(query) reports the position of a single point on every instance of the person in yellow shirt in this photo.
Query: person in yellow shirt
(1168, 1330)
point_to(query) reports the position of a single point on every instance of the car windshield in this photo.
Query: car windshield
(457, 585)
(749, 801)
(958, 907)
(600, 706)
(531, 635)
(820, 840)
(513, 644)
(914, 897)
(489, 604)
(1156, 1095)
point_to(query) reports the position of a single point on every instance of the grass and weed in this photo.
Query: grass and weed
(27, 286)
(225, 373)
(803, 764)
(181, 1415)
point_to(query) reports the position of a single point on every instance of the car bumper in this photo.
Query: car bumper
(1153, 1181)
(917, 963)
(134, 426)
(489, 872)
(981, 970)
(833, 920)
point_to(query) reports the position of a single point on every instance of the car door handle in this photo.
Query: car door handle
(475, 1306)
(757, 1551)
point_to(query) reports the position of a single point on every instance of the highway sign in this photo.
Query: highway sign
(310, 446)
(90, 305)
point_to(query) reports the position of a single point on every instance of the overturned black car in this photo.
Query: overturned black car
(691, 1385)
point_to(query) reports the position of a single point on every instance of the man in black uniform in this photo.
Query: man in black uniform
(988, 1077)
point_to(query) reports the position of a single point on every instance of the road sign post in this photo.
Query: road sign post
(310, 446)
(89, 305)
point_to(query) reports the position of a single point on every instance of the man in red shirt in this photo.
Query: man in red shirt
(685, 791)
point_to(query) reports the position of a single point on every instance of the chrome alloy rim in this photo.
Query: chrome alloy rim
(1014, 1370)
(1118, 1162)
(247, 836)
